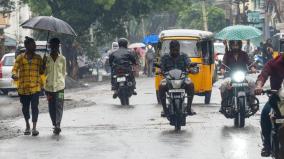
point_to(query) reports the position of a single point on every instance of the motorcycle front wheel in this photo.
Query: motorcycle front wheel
(178, 115)
(239, 120)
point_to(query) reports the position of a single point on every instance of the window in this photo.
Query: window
(186, 46)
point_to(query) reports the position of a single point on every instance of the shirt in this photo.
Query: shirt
(28, 73)
(234, 64)
(55, 72)
(180, 62)
(275, 70)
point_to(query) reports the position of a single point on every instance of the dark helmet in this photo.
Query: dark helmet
(123, 42)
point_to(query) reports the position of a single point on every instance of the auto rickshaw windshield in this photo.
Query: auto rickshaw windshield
(186, 46)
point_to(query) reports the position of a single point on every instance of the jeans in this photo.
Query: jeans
(266, 125)
(150, 68)
(27, 101)
(55, 105)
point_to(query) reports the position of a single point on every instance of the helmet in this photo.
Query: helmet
(123, 42)
(114, 45)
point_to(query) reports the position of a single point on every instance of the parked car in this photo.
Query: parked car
(6, 66)
(219, 49)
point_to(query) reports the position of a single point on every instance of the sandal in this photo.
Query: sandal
(35, 132)
(56, 131)
(27, 132)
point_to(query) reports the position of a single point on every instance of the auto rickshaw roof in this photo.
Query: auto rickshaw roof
(185, 33)
(280, 35)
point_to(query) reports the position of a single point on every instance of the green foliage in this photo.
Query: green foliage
(192, 17)
(216, 19)
(122, 18)
(6, 6)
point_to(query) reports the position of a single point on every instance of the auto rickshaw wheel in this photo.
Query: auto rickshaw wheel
(208, 97)
(158, 98)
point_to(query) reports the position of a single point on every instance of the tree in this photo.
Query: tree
(108, 18)
(191, 17)
(6, 7)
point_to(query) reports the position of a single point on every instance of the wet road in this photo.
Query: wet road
(108, 130)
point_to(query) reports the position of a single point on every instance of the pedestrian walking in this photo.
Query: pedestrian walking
(267, 51)
(150, 56)
(248, 48)
(27, 71)
(55, 71)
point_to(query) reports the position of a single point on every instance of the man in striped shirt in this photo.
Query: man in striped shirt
(27, 71)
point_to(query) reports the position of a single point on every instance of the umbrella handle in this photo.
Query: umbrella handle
(47, 42)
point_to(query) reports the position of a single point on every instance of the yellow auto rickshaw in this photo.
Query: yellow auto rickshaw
(278, 44)
(198, 45)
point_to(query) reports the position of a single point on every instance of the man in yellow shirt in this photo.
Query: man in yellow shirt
(27, 70)
(55, 71)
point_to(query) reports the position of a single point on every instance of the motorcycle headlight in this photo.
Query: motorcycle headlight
(239, 76)
(176, 83)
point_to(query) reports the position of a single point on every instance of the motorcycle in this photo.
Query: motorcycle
(236, 104)
(276, 100)
(175, 80)
(124, 84)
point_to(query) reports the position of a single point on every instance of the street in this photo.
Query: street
(107, 130)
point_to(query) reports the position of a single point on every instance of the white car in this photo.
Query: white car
(6, 66)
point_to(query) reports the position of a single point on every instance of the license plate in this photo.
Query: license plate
(177, 91)
(121, 79)
(239, 85)
(279, 121)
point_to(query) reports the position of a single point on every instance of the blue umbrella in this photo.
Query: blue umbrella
(151, 39)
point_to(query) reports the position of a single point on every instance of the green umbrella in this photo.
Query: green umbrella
(238, 32)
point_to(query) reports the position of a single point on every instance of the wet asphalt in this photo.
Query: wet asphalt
(110, 131)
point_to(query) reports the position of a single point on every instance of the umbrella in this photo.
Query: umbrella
(136, 45)
(50, 24)
(238, 32)
(151, 39)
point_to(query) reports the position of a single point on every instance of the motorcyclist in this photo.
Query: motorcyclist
(122, 57)
(176, 60)
(275, 70)
(235, 59)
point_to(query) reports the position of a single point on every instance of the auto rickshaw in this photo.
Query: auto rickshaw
(198, 45)
(278, 44)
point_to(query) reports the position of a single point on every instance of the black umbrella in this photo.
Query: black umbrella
(50, 24)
